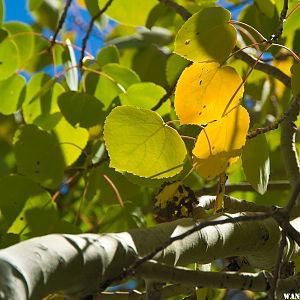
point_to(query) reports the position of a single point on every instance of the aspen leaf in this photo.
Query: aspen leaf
(139, 142)
(220, 143)
(295, 69)
(72, 140)
(9, 58)
(206, 36)
(205, 92)
(133, 12)
(256, 163)
(25, 207)
(38, 156)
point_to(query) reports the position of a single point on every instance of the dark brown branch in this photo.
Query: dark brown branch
(61, 22)
(275, 37)
(90, 27)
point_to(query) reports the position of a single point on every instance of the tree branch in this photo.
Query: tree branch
(37, 267)
(287, 142)
(90, 27)
(61, 22)
(245, 187)
(261, 66)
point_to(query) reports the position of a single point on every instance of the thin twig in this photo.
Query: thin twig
(89, 30)
(61, 22)
(115, 190)
(165, 97)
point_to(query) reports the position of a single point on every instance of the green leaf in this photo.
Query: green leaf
(9, 58)
(81, 109)
(139, 142)
(98, 188)
(1, 11)
(38, 156)
(25, 207)
(265, 25)
(206, 36)
(47, 13)
(3, 34)
(145, 95)
(72, 140)
(44, 58)
(122, 75)
(150, 64)
(295, 80)
(92, 6)
(21, 35)
(267, 7)
(136, 11)
(12, 92)
(34, 4)
(175, 66)
(256, 163)
(103, 88)
(40, 106)
(109, 54)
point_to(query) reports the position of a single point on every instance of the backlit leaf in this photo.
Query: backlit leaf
(25, 207)
(220, 143)
(256, 163)
(109, 54)
(40, 106)
(136, 11)
(82, 109)
(205, 92)
(175, 66)
(71, 140)
(139, 142)
(34, 4)
(121, 75)
(105, 89)
(21, 34)
(38, 156)
(145, 95)
(9, 58)
(12, 94)
(206, 36)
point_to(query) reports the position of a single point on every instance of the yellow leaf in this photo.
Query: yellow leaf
(205, 92)
(220, 143)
